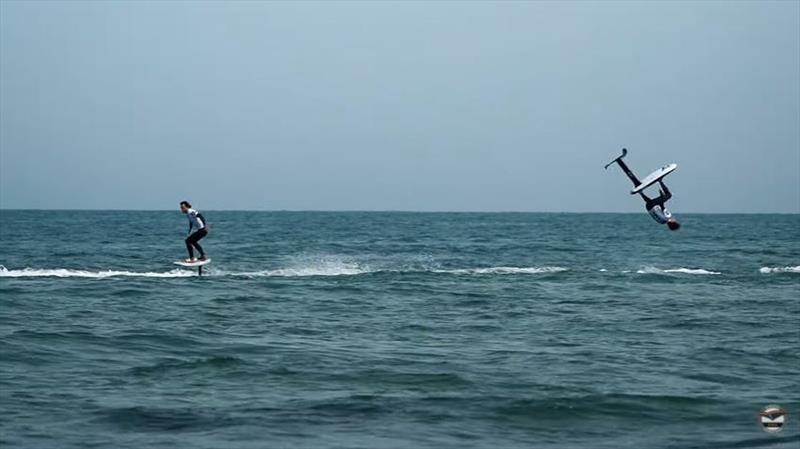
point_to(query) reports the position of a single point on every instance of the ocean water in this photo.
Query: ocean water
(398, 330)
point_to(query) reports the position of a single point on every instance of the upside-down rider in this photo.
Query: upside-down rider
(656, 207)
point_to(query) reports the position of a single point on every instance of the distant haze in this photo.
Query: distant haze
(473, 106)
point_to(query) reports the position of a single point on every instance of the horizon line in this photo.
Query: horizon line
(385, 211)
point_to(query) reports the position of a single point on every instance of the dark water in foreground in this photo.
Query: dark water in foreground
(396, 330)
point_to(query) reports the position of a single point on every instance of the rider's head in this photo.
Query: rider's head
(185, 206)
(673, 224)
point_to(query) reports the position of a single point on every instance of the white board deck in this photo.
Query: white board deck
(199, 263)
(654, 177)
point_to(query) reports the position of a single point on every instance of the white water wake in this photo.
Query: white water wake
(339, 268)
(768, 270)
(503, 270)
(69, 273)
(313, 270)
(654, 270)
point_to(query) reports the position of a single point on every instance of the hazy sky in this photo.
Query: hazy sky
(398, 106)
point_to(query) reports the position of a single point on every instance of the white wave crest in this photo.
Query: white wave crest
(504, 270)
(691, 271)
(68, 273)
(346, 270)
(318, 268)
(354, 269)
(654, 270)
(768, 270)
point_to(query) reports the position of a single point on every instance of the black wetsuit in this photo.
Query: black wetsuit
(655, 206)
(195, 219)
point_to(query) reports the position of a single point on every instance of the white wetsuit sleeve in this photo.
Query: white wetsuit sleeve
(194, 220)
(191, 214)
(659, 215)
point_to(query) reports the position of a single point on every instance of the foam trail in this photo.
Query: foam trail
(307, 266)
(768, 270)
(68, 273)
(353, 269)
(654, 270)
(504, 270)
(303, 272)
(691, 271)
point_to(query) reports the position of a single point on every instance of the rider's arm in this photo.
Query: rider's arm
(665, 193)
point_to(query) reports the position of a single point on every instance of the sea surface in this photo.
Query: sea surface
(398, 330)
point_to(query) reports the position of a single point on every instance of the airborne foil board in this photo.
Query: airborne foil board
(654, 177)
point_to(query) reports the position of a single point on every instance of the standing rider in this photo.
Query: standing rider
(196, 220)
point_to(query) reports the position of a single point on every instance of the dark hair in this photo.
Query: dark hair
(673, 225)
(185, 203)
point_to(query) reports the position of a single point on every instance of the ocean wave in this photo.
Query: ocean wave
(654, 270)
(308, 266)
(149, 419)
(356, 269)
(503, 270)
(314, 270)
(300, 272)
(172, 365)
(70, 273)
(768, 270)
